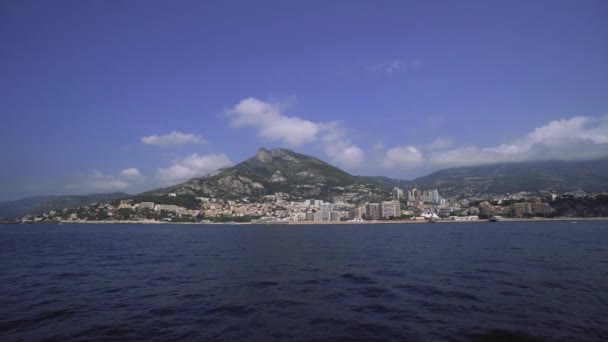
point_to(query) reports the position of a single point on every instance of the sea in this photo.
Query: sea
(504, 281)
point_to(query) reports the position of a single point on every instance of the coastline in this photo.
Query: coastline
(556, 219)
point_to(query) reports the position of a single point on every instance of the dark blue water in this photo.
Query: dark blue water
(452, 282)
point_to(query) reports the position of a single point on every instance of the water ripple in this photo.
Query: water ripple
(467, 282)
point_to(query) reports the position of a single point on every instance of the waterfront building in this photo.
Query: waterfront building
(390, 209)
(356, 213)
(322, 216)
(373, 211)
(334, 215)
(310, 216)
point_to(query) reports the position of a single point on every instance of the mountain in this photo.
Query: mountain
(554, 175)
(40, 204)
(301, 177)
(279, 170)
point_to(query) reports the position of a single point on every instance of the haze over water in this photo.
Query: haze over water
(457, 282)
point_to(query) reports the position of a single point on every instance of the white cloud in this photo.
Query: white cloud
(271, 123)
(100, 182)
(132, 174)
(172, 139)
(402, 157)
(565, 139)
(339, 148)
(192, 166)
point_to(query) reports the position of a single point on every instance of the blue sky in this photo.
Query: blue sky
(99, 96)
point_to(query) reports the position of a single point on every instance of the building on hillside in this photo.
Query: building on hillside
(339, 199)
(125, 204)
(397, 194)
(412, 195)
(434, 196)
(166, 207)
(313, 202)
(146, 205)
(327, 206)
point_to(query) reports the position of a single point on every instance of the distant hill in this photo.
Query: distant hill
(554, 176)
(279, 170)
(41, 204)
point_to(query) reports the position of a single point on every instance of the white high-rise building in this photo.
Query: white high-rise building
(434, 196)
(390, 209)
(412, 194)
(397, 194)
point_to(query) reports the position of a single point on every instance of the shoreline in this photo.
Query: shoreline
(557, 219)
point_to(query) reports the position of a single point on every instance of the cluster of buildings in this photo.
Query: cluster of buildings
(430, 196)
(412, 204)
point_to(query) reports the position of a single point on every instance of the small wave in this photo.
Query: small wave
(358, 279)
(492, 271)
(166, 311)
(191, 296)
(310, 282)
(72, 275)
(390, 273)
(377, 332)
(282, 304)
(552, 285)
(374, 308)
(498, 335)
(118, 331)
(231, 310)
(335, 295)
(373, 292)
(461, 295)
(326, 320)
(262, 284)
(509, 294)
(424, 290)
(32, 320)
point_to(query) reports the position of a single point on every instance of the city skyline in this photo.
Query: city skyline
(129, 96)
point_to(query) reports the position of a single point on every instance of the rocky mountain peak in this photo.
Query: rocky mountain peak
(264, 155)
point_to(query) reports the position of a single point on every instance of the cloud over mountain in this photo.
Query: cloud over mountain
(98, 181)
(194, 165)
(271, 123)
(574, 138)
(172, 139)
